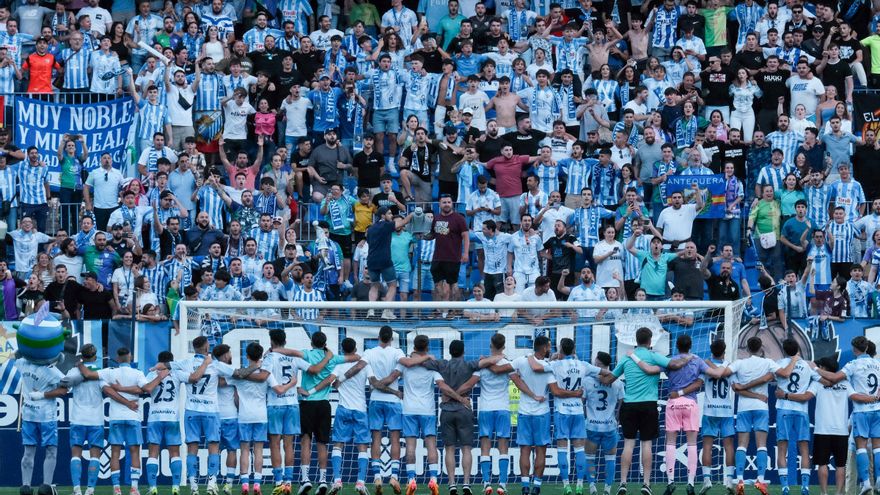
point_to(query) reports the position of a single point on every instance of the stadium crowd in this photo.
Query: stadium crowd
(464, 150)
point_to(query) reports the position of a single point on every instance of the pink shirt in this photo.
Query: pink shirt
(264, 123)
(508, 174)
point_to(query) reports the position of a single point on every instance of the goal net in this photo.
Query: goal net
(594, 326)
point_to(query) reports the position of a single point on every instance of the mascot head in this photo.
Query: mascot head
(40, 340)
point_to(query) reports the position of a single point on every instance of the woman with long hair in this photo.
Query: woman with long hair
(608, 255)
(655, 121)
(31, 297)
(123, 283)
(626, 178)
(718, 126)
(121, 43)
(192, 40)
(137, 187)
(825, 110)
(214, 47)
(44, 269)
(606, 89)
(627, 81)
(686, 126)
(846, 124)
(790, 193)
(744, 91)
(392, 44)
(799, 121)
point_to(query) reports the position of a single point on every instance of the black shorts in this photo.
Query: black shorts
(344, 242)
(315, 419)
(457, 428)
(640, 420)
(825, 446)
(445, 271)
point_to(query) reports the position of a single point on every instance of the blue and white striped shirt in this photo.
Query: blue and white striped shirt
(665, 27)
(7, 80)
(843, 233)
(174, 266)
(849, 195)
(151, 119)
(297, 11)
(301, 295)
(747, 18)
(603, 184)
(467, 178)
(267, 243)
(773, 176)
(158, 281)
(631, 266)
(607, 93)
(549, 175)
(212, 203)
(818, 199)
(7, 184)
(821, 264)
(577, 173)
(209, 93)
(255, 38)
(31, 183)
(587, 222)
(224, 24)
(76, 67)
(788, 142)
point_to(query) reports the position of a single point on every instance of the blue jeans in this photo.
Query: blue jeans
(771, 258)
(37, 212)
(729, 232)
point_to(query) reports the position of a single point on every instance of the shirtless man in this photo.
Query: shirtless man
(505, 104)
(445, 95)
(599, 50)
(637, 37)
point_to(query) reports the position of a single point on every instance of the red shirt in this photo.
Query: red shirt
(447, 231)
(508, 173)
(40, 66)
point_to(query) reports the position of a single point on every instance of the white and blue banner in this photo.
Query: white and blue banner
(105, 126)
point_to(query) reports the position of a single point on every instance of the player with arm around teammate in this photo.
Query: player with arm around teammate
(39, 426)
(717, 419)
(863, 373)
(163, 421)
(603, 404)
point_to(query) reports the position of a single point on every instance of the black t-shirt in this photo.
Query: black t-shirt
(688, 277)
(95, 304)
(670, 113)
(722, 289)
(308, 63)
(735, 153)
(716, 86)
(379, 239)
(750, 60)
(525, 144)
(421, 162)
(381, 200)
(835, 75)
(369, 167)
(269, 62)
(455, 45)
(433, 61)
(715, 151)
(773, 86)
(697, 21)
(866, 161)
(562, 256)
(848, 49)
(285, 80)
(489, 148)
(55, 292)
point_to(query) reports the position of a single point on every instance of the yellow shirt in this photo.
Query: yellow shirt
(363, 216)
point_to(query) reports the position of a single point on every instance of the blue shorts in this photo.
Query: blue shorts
(80, 435)
(717, 427)
(792, 426)
(748, 421)
(427, 279)
(229, 438)
(44, 434)
(533, 430)
(198, 425)
(386, 120)
(382, 413)
(866, 424)
(163, 433)
(494, 423)
(252, 432)
(605, 440)
(386, 275)
(350, 426)
(284, 420)
(416, 425)
(570, 426)
(126, 433)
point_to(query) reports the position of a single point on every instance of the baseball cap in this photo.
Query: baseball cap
(467, 111)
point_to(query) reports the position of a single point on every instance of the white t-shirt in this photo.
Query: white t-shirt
(570, 373)
(295, 113)
(38, 378)
(284, 368)
(548, 221)
(832, 408)
(502, 297)
(611, 264)
(235, 119)
(539, 383)
(719, 397)
(601, 401)
(804, 92)
(252, 399)
(100, 17)
(87, 399)
(124, 278)
(352, 392)
(165, 398)
(677, 224)
(475, 103)
(73, 264)
(201, 397)
(418, 391)
(797, 383)
(226, 403)
(529, 295)
(494, 393)
(177, 115)
(383, 361)
(746, 370)
(127, 377)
